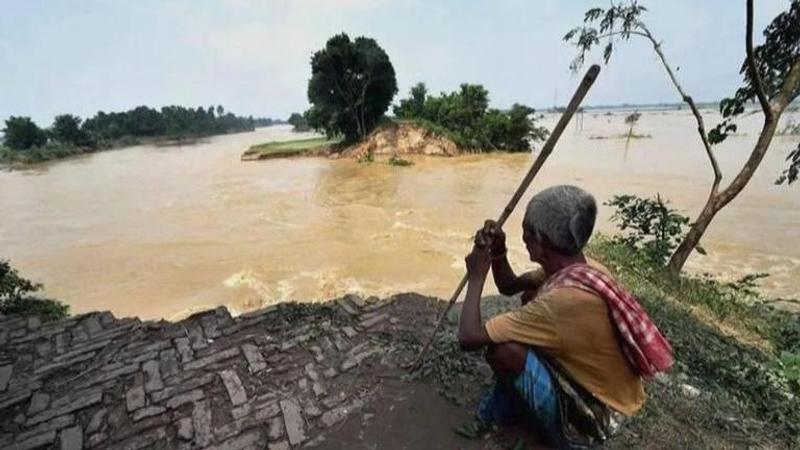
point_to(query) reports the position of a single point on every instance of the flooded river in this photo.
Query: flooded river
(164, 231)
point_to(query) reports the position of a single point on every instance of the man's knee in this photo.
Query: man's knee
(507, 358)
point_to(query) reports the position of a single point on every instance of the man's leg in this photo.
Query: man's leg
(524, 389)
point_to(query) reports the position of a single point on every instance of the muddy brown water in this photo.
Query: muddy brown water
(160, 232)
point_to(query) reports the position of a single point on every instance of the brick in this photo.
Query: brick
(35, 441)
(282, 445)
(95, 440)
(148, 412)
(185, 431)
(243, 441)
(371, 321)
(350, 332)
(262, 409)
(210, 327)
(294, 421)
(196, 337)
(185, 384)
(78, 401)
(146, 439)
(187, 397)
(184, 349)
(46, 427)
(135, 397)
(347, 307)
(169, 362)
(318, 388)
(96, 421)
(213, 358)
(5, 376)
(275, 428)
(62, 340)
(336, 415)
(254, 358)
(92, 325)
(14, 399)
(39, 403)
(201, 422)
(234, 387)
(330, 372)
(64, 363)
(34, 323)
(356, 359)
(152, 376)
(72, 438)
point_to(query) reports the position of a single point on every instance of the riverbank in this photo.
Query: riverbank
(21, 159)
(330, 375)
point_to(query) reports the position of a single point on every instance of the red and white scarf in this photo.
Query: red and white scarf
(642, 343)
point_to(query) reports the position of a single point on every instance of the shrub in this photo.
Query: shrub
(16, 298)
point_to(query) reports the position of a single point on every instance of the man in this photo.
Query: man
(579, 339)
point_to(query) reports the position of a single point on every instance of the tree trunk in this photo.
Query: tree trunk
(718, 200)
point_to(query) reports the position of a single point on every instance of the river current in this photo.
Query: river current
(160, 232)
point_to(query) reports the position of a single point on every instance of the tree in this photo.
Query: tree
(66, 129)
(298, 122)
(771, 74)
(352, 85)
(16, 296)
(21, 133)
(414, 105)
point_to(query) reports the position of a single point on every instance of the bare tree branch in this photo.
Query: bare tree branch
(701, 129)
(755, 77)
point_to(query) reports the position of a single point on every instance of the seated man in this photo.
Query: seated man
(578, 339)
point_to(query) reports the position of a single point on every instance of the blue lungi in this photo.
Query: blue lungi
(528, 397)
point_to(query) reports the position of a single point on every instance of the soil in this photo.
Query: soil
(402, 138)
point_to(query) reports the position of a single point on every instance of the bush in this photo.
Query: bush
(649, 224)
(16, 298)
(467, 119)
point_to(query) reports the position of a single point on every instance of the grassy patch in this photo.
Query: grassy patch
(40, 154)
(288, 148)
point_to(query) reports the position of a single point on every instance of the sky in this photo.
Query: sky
(65, 56)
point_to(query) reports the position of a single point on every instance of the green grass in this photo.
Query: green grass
(40, 154)
(287, 148)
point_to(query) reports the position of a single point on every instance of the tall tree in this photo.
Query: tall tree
(771, 74)
(352, 85)
(21, 133)
(66, 129)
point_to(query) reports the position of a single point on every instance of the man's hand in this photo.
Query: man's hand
(492, 237)
(478, 262)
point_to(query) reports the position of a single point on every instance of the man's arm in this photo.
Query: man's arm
(472, 334)
(507, 282)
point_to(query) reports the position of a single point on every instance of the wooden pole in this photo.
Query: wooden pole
(572, 107)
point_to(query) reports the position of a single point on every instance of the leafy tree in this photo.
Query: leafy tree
(771, 75)
(16, 296)
(352, 85)
(649, 224)
(21, 133)
(67, 130)
(414, 105)
(465, 116)
(298, 122)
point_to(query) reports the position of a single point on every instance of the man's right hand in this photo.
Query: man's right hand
(491, 236)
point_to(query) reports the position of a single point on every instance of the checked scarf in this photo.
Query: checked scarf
(642, 343)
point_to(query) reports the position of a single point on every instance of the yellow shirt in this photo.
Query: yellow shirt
(573, 327)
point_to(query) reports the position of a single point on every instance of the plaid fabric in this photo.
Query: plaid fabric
(641, 341)
(531, 396)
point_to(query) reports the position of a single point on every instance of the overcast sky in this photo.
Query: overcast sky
(253, 56)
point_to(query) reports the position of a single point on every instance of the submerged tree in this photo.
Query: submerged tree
(352, 85)
(771, 74)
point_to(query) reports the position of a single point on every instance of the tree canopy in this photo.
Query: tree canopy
(464, 115)
(21, 133)
(352, 85)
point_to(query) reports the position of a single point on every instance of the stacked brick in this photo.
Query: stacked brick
(275, 378)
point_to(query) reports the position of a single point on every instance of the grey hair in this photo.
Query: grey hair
(563, 214)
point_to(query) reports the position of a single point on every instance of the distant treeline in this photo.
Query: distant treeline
(69, 134)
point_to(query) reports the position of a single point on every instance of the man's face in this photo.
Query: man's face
(533, 244)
